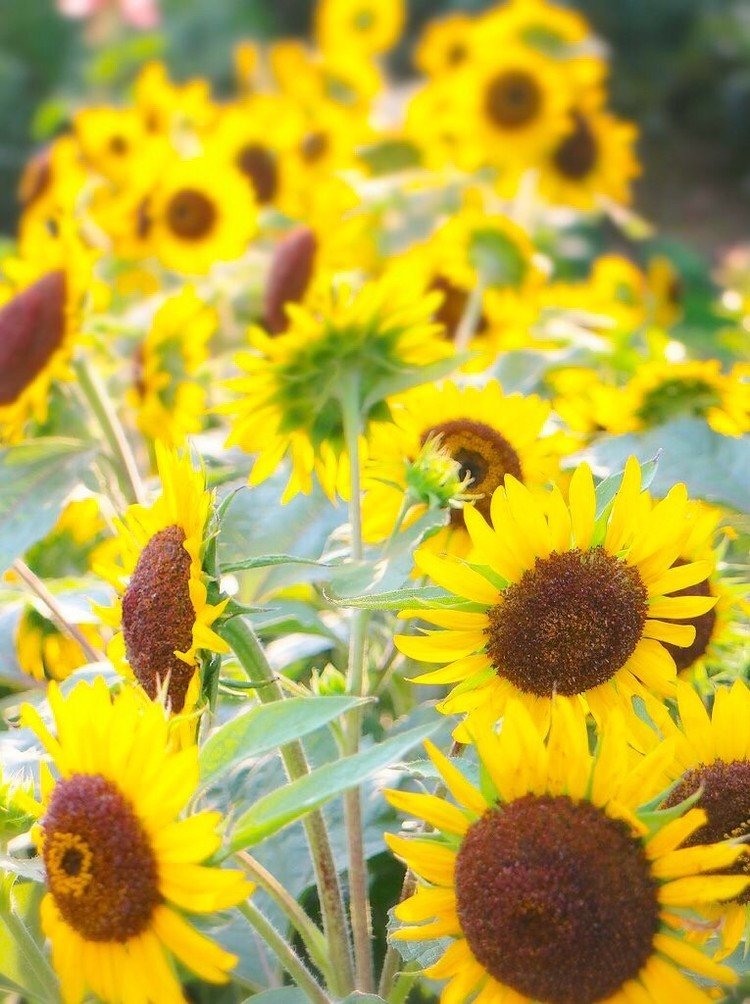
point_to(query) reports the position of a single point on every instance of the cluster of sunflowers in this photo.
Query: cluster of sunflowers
(300, 390)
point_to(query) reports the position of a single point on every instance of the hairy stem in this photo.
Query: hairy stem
(248, 650)
(359, 898)
(311, 935)
(101, 405)
(286, 955)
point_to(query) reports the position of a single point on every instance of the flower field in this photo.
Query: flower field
(374, 522)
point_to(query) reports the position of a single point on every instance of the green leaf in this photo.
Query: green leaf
(268, 560)
(422, 598)
(609, 486)
(714, 468)
(276, 810)
(265, 727)
(35, 479)
(405, 379)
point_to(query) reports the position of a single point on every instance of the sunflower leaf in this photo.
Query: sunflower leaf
(281, 807)
(35, 480)
(264, 728)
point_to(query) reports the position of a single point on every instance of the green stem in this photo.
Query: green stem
(99, 401)
(311, 935)
(359, 897)
(403, 983)
(285, 954)
(248, 650)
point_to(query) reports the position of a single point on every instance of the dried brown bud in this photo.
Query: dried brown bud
(32, 328)
(289, 276)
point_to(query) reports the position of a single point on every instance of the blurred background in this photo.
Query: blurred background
(681, 70)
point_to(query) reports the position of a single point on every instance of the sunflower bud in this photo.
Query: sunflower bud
(289, 276)
(32, 327)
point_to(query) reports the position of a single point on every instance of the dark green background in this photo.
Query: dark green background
(681, 69)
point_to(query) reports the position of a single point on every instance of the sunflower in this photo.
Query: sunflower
(113, 140)
(38, 328)
(290, 398)
(550, 883)
(593, 160)
(121, 867)
(561, 601)
(256, 137)
(553, 30)
(516, 106)
(162, 617)
(203, 211)
(717, 628)
(488, 433)
(169, 109)
(44, 652)
(365, 27)
(666, 291)
(445, 44)
(712, 754)
(662, 391)
(169, 400)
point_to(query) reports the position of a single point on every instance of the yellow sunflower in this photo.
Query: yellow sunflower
(445, 44)
(666, 291)
(121, 866)
(661, 391)
(592, 161)
(515, 106)
(560, 600)
(290, 398)
(169, 400)
(45, 652)
(169, 109)
(717, 628)
(203, 211)
(38, 329)
(551, 883)
(359, 26)
(162, 616)
(712, 754)
(113, 140)
(488, 433)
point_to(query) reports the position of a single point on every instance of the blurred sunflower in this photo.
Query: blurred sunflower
(562, 602)
(162, 617)
(39, 323)
(45, 652)
(113, 140)
(445, 44)
(202, 212)
(555, 882)
(173, 110)
(169, 401)
(516, 106)
(120, 864)
(487, 433)
(593, 161)
(359, 26)
(549, 28)
(666, 291)
(712, 760)
(348, 340)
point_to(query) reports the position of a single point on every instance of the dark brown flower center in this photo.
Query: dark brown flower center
(485, 457)
(513, 99)
(556, 899)
(456, 54)
(259, 165)
(158, 617)
(704, 626)
(190, 214)
(289, 276)
(313, 147)
(101, 868)
(726, 800)
(577, 154)
(453, 307)
(118, 145)
(569, 623)
(32, 328)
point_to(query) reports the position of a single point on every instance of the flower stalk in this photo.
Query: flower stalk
(245, 645)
